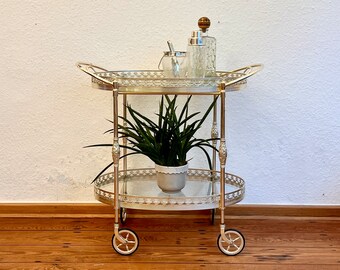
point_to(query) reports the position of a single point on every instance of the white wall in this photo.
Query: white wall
(284, 129)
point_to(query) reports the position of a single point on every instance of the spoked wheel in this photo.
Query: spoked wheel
(234, 245)
(123, 215)
(129, 246)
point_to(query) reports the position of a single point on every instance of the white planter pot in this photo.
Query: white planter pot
(171, 179)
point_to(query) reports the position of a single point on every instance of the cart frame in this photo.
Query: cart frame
(125, 241)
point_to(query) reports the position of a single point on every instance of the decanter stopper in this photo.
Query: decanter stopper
(204, 24)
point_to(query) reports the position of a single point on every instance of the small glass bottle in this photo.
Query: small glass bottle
(196, 56)
(210, 44)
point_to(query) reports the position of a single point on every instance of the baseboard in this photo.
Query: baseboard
(103, 210)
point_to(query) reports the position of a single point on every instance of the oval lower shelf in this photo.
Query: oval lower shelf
(138, 190)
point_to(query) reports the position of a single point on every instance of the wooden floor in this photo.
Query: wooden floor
(174, 242)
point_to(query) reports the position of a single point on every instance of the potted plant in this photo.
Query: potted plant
(167, 141)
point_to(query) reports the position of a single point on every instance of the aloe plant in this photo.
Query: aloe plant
(168, 140)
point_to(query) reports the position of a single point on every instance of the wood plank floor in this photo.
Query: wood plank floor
(175, 242)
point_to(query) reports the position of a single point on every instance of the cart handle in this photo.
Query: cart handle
(91, 70)
(248, 71)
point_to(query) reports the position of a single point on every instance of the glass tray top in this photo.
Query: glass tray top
(154, 81)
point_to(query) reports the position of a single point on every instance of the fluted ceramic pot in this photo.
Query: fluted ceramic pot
(171, 179)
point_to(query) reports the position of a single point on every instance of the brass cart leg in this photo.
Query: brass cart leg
(123, 214)
(115, 158)
(124, 139)
(230, 242)
(223, 158)
(124, 241)
(214, 135)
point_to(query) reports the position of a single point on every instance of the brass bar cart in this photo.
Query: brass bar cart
(136, 188)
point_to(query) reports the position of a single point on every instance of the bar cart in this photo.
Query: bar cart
(205, 189)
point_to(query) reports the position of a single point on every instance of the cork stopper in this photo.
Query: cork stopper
(203, 24)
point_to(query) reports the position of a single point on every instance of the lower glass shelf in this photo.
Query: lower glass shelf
(138, 190)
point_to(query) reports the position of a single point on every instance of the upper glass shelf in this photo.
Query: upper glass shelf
(154, 81)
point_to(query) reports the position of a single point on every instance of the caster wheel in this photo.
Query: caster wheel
(123, 215)
(234, 245)
(129, 246)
